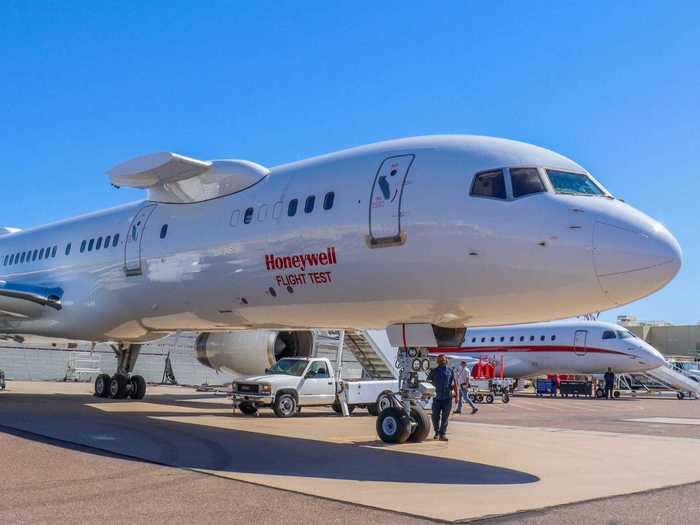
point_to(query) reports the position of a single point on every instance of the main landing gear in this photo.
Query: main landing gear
(404, 419)
(122, 384)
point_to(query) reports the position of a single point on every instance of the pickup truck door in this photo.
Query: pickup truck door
(317, 387)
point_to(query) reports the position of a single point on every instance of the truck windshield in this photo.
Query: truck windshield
(292, 367)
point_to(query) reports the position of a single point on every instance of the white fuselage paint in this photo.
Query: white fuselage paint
(575, 347)
(464, 261)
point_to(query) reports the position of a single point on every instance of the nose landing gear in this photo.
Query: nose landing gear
(122, 384)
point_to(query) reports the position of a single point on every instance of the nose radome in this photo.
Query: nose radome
(630, 263)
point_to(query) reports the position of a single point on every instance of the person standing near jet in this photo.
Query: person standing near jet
(443, 379)
(462, 377)
(609, 378)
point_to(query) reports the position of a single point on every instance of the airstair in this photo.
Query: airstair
(82, 366)
(372, 355)
(675, 380)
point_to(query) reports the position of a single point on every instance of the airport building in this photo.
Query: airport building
(682, 341)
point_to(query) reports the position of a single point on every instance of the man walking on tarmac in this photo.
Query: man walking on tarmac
(443, 380)
(609, 383)
(462, 376)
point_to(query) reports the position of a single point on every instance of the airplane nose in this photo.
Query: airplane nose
(632, 263)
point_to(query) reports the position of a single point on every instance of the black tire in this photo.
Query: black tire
(422, 427)
(616, 394)
(248, 408)
(384, 401)
(479, 398)
(372, 409)
(118, 386)
(489, 398)
(339, 410)
(680, 395)
(102, 385)
(285, 405)
(393, 425)
(505, 398)
(138, 387)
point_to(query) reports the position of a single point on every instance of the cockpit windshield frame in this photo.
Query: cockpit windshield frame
(601, 191)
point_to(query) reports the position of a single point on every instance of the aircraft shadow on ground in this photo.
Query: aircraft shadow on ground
(140, 437)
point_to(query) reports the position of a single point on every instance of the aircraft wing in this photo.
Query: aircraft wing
(27, 301)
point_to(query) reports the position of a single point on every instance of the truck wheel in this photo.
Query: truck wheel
(339, 410)
(248, 408)
(372, 409)
(393, 425)
(285, 405)
(422, 428)
(616, 394)
(489, 398)
(680, 395)
(384, 401)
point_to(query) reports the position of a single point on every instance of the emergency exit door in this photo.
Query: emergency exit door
(580, 342)
(134, 237)
(385, 201)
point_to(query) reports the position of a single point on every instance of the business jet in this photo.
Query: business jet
(563, 347)
(428, 234)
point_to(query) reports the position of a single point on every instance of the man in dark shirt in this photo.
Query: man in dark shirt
(609, 383)
(445, 385)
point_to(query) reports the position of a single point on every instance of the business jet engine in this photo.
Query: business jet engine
(250, 352)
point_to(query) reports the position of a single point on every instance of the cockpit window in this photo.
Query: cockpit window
(567, 183)
(525, 182)
(489, 184)
(624, 334)
(609, 334)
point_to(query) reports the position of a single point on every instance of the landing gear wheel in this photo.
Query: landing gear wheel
(285, 405)
(138, 387)
(248, 408)
(383, 402)
(118, 386)
(680, 395)
(489, 398)
(393, 425)
(422, 427)
(505, 398)
(102, 385)
(372, 409)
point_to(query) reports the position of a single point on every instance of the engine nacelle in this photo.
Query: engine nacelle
(250, 352)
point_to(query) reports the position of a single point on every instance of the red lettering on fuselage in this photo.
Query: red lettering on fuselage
(301, 261)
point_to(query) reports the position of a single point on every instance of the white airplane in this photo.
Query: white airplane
(563, 347)
(428, 234)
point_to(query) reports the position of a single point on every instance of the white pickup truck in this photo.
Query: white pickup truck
(296, 382)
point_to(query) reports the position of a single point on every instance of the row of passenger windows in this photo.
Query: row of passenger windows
(97, 244)
(513, 338)
(526, 181)
(292, 208)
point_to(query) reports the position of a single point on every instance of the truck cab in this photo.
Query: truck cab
(293, 382)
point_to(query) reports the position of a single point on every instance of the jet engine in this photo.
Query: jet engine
(250, 352)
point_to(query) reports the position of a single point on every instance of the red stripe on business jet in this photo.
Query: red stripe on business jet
(506, 349)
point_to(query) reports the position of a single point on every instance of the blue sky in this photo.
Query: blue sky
(613, 85)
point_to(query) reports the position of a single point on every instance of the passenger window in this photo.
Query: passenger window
(235, 217)
(309, 206)
(512, 338)
(609, 334)
(34, 255)
(473, 339)
(24, 254)
(108, 239)
(277, 210)
(541, 338)
(522, 338)
(91, 244)
(4, 263)
(328, 200)
(53, 252)
(99, 243)
(115, 241)
(292, 208)
(68, 247)
(532, 338)
(82, 246)
(318, 370)
(554, 337)
(248, 216)
(525, 182)
(493, 339)
(489, 184)
(41, 254)
(503, 339)
(163, 231)
(483, 339)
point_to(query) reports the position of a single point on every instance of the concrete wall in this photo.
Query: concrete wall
(671, 340)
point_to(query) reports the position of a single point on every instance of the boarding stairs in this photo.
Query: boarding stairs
(675, 380)
(82, 364)
(369, 355)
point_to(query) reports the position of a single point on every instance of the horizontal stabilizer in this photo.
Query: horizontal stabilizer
(170, 177)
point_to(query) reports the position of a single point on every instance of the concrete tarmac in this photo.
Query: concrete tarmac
(58, 441)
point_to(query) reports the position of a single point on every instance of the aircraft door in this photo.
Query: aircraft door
(132, 246)
(580, 342)
(385, 202)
